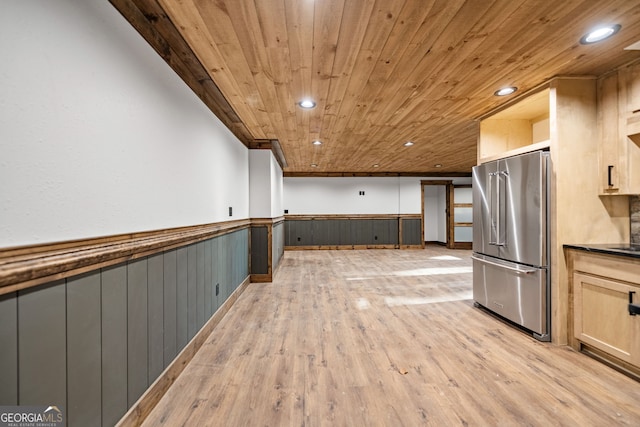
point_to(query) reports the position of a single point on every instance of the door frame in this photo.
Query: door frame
(448, 184)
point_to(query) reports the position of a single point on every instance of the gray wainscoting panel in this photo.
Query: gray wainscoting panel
(84, 350)
(223, 255)
(92, 344)
(216, 297)
(380, 231)
(259, 250)
(170, 306)
(362, 231)
(155, 296)
(300, 233)
(9, 352)
(386, 231)
(114, 344)
(320, 232)
(411, 233)
(181, 298)
(137, 337)
(200, 314)
(244, 262)
(277, 249)
(344, 231)
(241, 261)
(192, 326)
(394, 231)
(209, 286)
(333, 232)
(42, 364)
(288, 232)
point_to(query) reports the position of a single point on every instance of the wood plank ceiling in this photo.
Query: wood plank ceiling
(383, 72)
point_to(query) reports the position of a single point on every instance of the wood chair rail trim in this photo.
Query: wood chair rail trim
(29, 266)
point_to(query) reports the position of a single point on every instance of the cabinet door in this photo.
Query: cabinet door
(610, 146)
(632, 84)
(619, 147)
(602, 318)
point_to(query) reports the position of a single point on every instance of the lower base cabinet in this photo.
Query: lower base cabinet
(603, 286)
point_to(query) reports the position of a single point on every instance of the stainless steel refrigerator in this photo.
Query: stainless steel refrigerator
(511, 240)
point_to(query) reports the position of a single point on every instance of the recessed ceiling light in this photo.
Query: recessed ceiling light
(313, 165)
(376, 165)
(307, 103)
(408, 144)
(505, 91)
(437, 165)
(600, 34)
(317, 142)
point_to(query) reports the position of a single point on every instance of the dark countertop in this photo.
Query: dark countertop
(622, 249)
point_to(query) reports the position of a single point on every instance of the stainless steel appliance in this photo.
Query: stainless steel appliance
(510, 240)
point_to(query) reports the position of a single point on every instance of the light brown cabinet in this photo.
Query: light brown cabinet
(630, 84)
(619, 131)
(602, 286)
(517, 129)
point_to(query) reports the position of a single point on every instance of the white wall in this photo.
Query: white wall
(431, 213)
(277, 189)
(265, 185)
(442, 217)
(99, 136)
(434, 213)
(339, 195)
(259, 184)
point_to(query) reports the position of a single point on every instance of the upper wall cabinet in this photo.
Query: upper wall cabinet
(619, 127)
(522, 127)
(630, 82)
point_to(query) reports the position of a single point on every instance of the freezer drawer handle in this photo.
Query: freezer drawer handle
(519, 270)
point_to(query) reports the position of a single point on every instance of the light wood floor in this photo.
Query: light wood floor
(388, 338)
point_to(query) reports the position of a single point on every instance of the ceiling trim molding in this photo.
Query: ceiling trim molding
(153, 24)
(270, 144)
(376, 174)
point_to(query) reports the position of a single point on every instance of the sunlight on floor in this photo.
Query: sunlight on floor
(433, 271)
(446, 258)
(362, 303)
(395, 301)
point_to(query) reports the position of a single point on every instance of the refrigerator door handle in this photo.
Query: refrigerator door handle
(494, 215)
(507, 267)
(503, 177)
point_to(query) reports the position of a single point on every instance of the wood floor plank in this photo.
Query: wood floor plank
(390, 338)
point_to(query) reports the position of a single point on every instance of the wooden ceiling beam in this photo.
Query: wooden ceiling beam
(375, 174)
(274, 146)
(153, 24)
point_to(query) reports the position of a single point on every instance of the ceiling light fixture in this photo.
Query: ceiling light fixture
(317, 142)
(376, 165)
(600, 34)
(307, 103)
(505, 91)
(313, 165)
(437, 165)
(408, 144)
